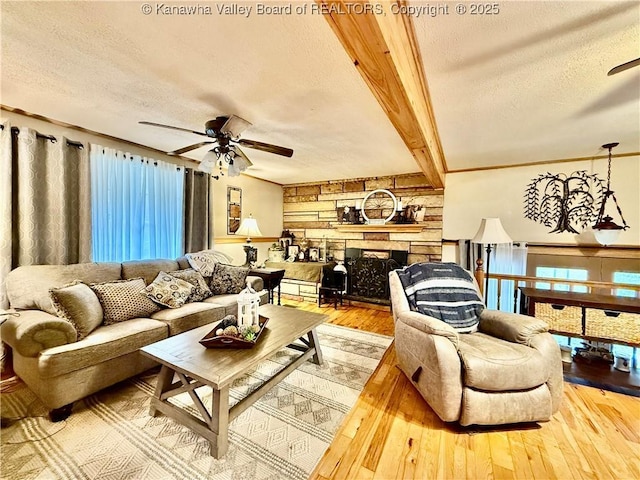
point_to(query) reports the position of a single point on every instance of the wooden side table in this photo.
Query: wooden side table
(271, 278)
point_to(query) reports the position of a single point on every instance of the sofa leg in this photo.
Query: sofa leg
(60, 414)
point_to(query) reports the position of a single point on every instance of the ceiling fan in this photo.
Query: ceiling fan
(624, 66)
(225, 132)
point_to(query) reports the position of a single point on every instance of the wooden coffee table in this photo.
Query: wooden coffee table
(195, 366)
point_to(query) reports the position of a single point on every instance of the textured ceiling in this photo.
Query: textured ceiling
(105, 66)
(527, 84)
(530, 83)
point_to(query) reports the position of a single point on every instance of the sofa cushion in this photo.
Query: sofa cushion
(147, 269)
(228, 279)
(492, 364)
(122, 300)
(183, 263)
(200, 288)
(104, 343)
(229, 302)
(79, 305)
(168, 291)
(190, 315)
(28, 286)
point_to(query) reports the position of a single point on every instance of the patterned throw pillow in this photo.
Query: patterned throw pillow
(77, 304)
(121, 300)
(168, 290)
(200, 290)
(228, 279)
(204, 262)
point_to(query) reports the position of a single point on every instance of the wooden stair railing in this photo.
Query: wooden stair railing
(526, 281)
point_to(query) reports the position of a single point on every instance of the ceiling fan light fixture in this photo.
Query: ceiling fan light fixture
(208, 161)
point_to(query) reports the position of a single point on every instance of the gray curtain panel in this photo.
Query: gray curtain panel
(197, 230)
(47, 216)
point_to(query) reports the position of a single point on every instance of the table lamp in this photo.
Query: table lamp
(249, 228)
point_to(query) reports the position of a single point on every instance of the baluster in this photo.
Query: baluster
(499, 280)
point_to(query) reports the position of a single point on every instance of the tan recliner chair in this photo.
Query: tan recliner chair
(509, 371)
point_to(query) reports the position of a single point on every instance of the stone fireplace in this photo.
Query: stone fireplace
(310, 212)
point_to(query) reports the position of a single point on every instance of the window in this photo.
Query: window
(136, 207)
(632, 278)
(564, 274)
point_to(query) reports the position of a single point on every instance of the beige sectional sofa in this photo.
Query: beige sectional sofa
(61, 369)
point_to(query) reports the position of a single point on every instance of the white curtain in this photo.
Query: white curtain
(137, 206)
(506, 259)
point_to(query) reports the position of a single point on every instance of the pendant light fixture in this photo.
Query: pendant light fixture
(606, 230)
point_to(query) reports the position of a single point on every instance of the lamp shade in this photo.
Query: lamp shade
(249, 228)
(491, 232)
(208, 162)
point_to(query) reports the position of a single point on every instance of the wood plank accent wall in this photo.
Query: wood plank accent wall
(310, 210)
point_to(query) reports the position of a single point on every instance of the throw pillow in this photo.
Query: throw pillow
(444, 291)
(121, 300)
(77, 304)
(200, 287)
(168, 291)
(228, 279)
(204, 262)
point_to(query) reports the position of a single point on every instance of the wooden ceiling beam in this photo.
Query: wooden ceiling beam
(383, 47)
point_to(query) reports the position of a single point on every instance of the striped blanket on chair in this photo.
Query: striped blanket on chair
(444, 291)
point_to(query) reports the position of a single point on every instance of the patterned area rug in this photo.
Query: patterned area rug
(110, 435)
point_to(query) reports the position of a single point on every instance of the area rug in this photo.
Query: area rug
(110, 435)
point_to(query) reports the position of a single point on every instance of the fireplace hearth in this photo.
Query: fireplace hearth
(368, 273)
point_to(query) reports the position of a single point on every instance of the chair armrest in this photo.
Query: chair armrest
(34, 331)
(512, 327)
(429, 325)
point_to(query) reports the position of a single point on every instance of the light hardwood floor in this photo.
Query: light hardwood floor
(391, 433)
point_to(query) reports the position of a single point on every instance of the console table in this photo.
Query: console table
(585, 315)
(271, 278)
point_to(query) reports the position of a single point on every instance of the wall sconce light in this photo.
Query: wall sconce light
(605, 229)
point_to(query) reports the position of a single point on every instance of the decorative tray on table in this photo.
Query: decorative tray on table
(226, 334)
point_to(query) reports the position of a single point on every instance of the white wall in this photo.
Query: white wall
(260, 198)
(470, 196)
(263, 199)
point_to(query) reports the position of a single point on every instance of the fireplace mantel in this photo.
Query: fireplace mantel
(387, 228)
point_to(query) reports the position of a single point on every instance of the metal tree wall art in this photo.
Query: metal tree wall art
(564, 202)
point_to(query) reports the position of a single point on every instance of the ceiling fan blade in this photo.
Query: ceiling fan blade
(624, 66)
(234, 126)
(180, 151)
(172, 128)
(266, 147)
(243, 158)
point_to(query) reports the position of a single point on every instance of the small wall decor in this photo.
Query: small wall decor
(564, 202)
(234, 209)
(381, 203)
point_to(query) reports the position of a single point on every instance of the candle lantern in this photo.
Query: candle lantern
(248, 304)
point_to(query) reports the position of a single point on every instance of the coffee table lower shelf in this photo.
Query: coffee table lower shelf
(176, 378)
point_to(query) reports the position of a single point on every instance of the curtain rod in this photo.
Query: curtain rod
(51, 138)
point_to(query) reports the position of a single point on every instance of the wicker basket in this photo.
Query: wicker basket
(561, 318)
(613, 325)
